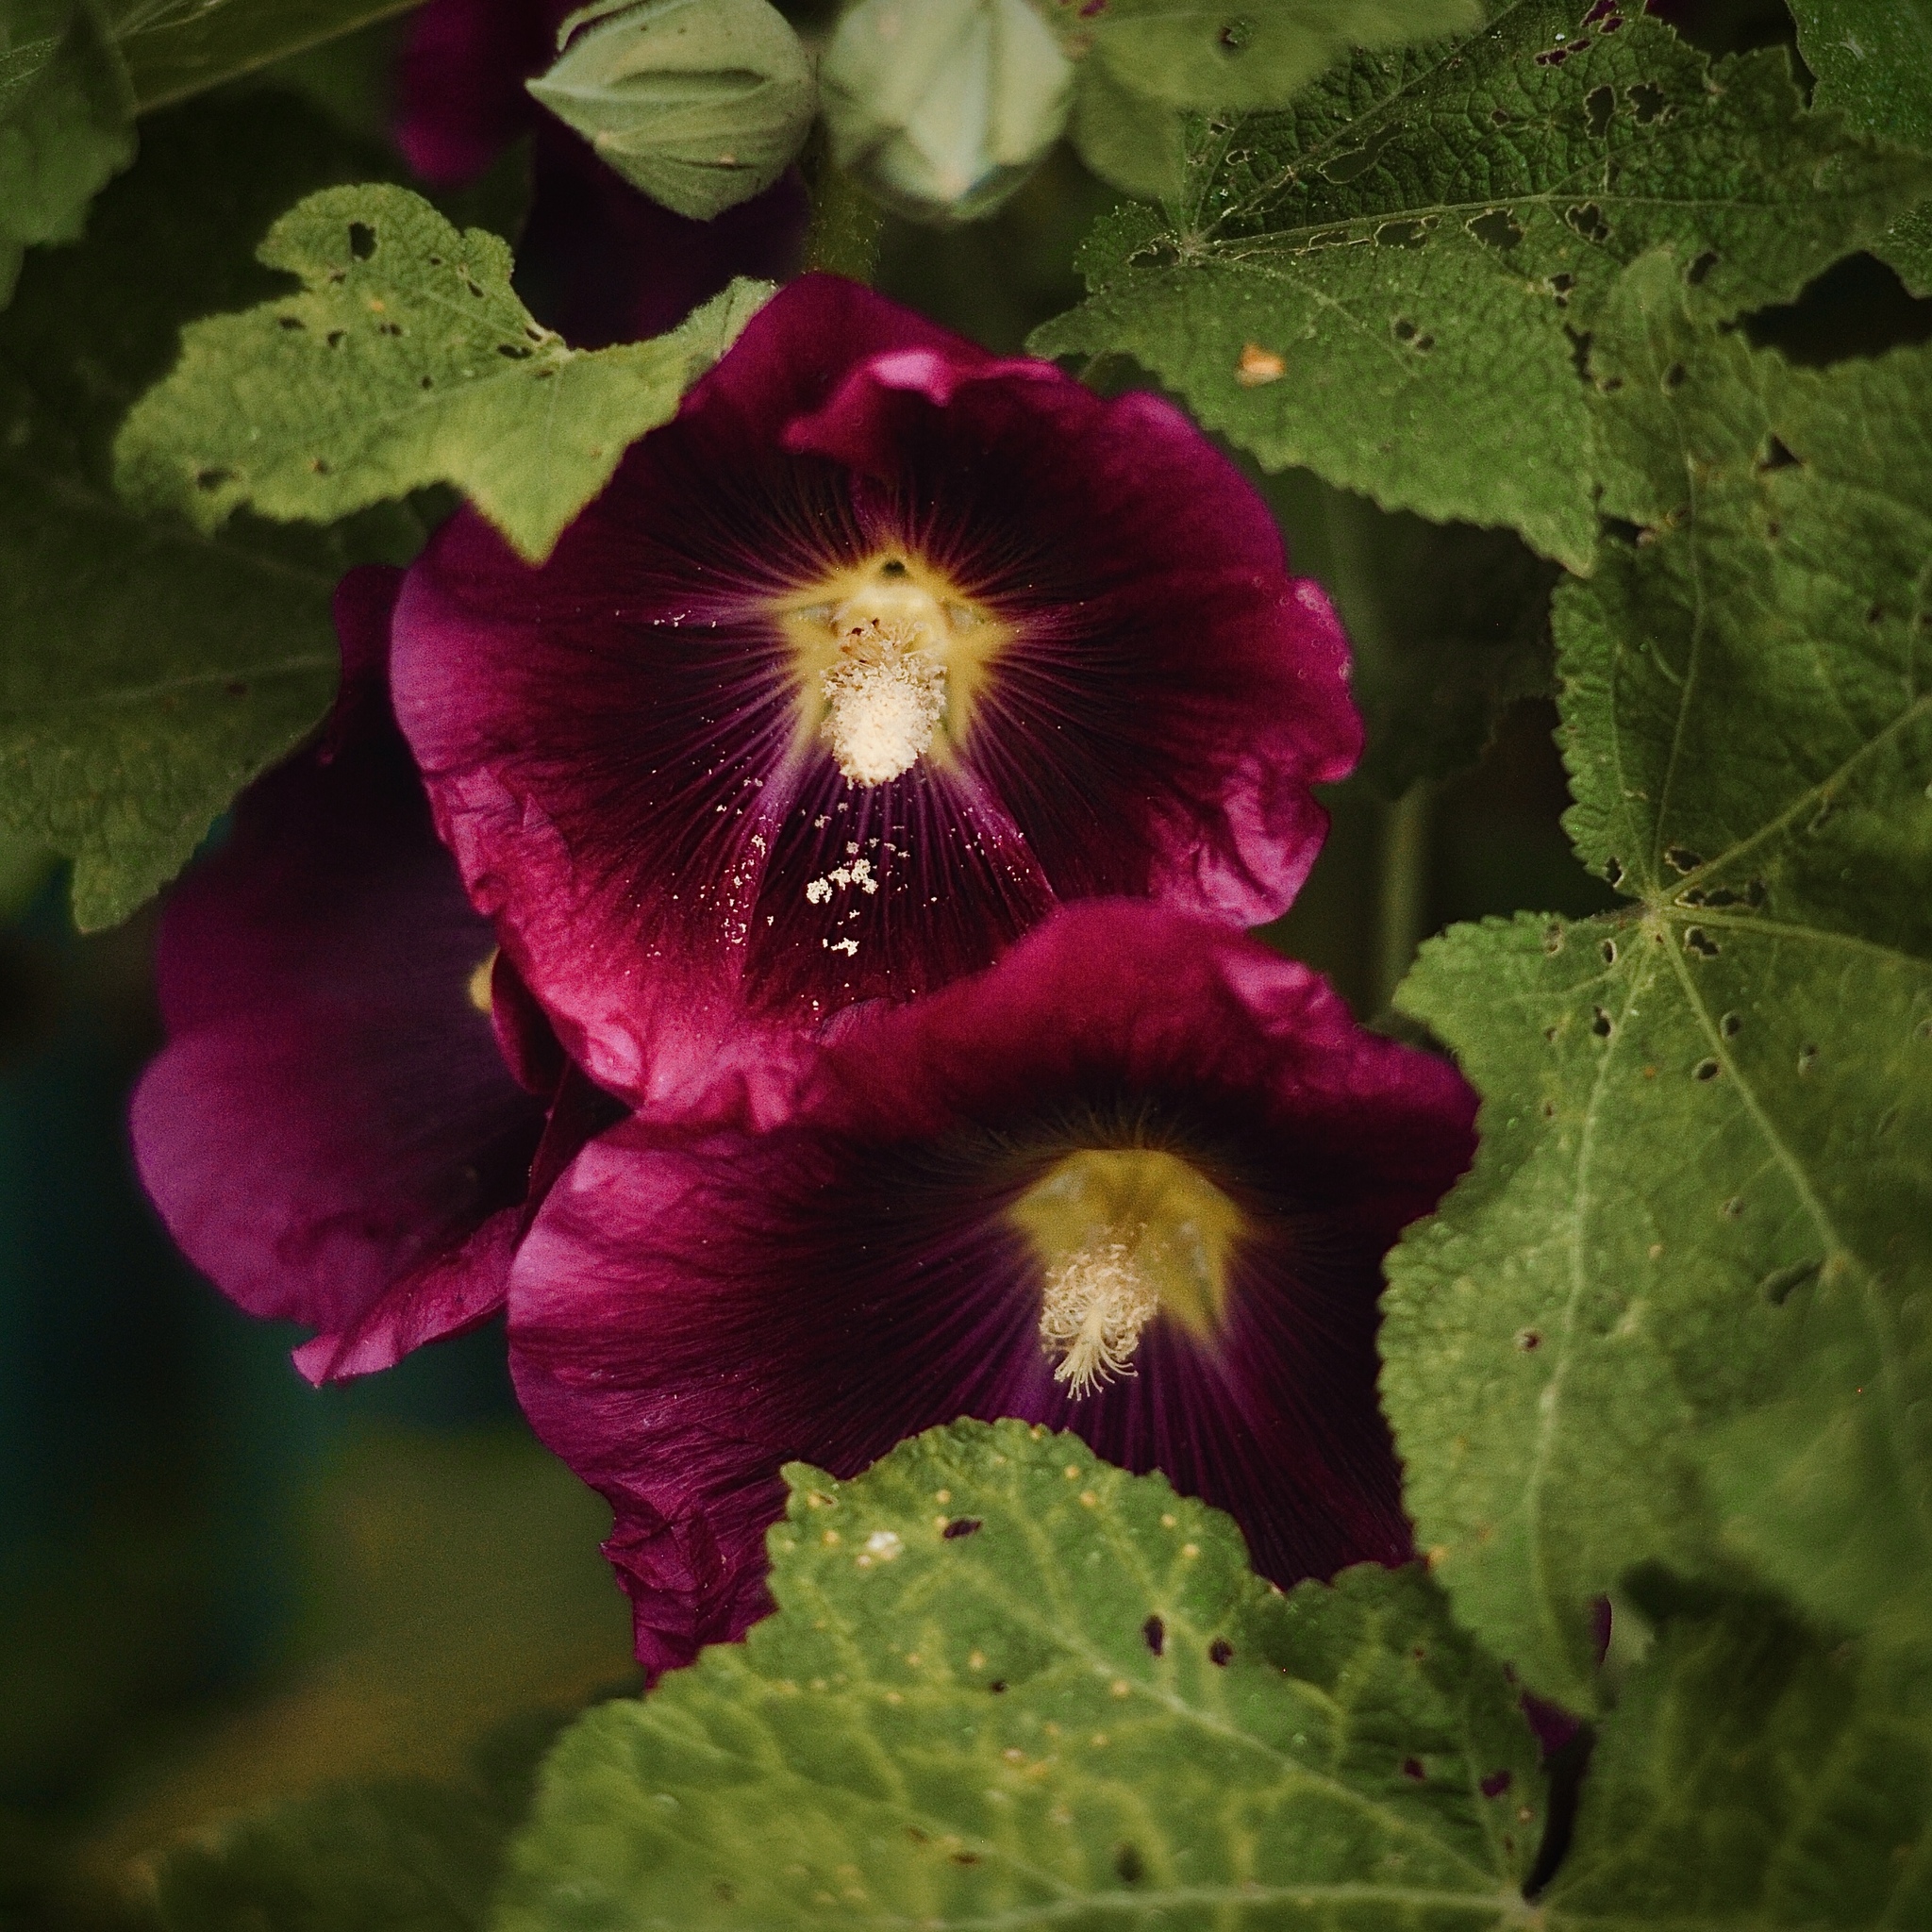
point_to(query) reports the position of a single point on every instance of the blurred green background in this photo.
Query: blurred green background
(219, 1587)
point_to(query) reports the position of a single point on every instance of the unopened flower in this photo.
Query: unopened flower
(942, 108)
(597, 260)
(333, 1133)
(880, 649)
(1136, 1181)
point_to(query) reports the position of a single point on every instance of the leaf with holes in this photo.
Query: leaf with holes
(1385, 281)
(1006, 1683)
(1873, 63)
(149, 670)
(405, 360)
(1708, 1120)
(66, 123)
(1752, 1778)
(1143, 61)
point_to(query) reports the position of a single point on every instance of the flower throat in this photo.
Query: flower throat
(888, 658)
(1122, 1235)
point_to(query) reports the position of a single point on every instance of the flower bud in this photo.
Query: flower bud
(942, 108)
(701, 104)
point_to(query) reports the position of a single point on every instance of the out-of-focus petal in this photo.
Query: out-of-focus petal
(331, 1133)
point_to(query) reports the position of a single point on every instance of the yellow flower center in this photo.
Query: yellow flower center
(889, 658)
(1124, 1235)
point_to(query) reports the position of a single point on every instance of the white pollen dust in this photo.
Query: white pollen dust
(884, 698)
(1095, 1305)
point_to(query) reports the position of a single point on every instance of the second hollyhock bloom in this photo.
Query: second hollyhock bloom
(359, 1105)
(879, 650)
(1136, 1181)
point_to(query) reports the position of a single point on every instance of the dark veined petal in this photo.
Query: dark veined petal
(861, 525)
(331, 1133)
(693, 1308)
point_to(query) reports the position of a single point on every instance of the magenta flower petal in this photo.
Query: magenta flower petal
(637, 761)
(331, 1133)
(694, 1307)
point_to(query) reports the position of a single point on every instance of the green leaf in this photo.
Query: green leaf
(149, 671)
(405, 360)
(175, 48)
(1147, 61)
(965, 1712)
(1448, 624)
(1708, 1117)
(1384, 283)
(66, 126)
(1873, 63)
(1750, 1778)
(1190, 56)
(1814, 1494)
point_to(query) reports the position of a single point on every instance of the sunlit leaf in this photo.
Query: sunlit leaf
(1009, 1685)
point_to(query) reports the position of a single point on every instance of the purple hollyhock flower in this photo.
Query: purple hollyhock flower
(334, 1133)
(1135, 1181)
(597, 260)
(880, 649)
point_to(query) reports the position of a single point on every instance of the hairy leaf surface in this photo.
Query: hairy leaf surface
(1708, 1120)
(405, 360)
(1009, 1685)
(149, 670)
(1385, 282)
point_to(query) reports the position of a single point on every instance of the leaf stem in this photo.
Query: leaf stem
(847, 224)
(1403, 906)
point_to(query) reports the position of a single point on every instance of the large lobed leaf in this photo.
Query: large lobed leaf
(1009, 1685)
(1708, 1120)
(149, 670)
(982, 1729)
(1385, 282)
(405, 360)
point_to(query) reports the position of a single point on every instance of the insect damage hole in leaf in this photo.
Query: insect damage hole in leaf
(1496, 227)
